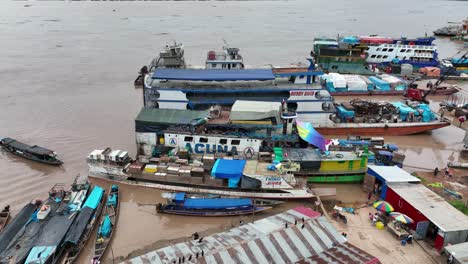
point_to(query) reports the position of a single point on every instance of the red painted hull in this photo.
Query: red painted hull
(380, 129)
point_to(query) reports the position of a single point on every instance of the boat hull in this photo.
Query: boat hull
(100, 249)
(283, 195)
(380, 129)
(55, 162)
(214, 213)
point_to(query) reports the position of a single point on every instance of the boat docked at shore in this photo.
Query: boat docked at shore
(36, 237)
(34, 153)
(197, 178)
(4, 217)
(81, 229)
(108, 224)
(181, 204)
(307, 102)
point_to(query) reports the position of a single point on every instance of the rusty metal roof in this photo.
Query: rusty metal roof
(266, 241)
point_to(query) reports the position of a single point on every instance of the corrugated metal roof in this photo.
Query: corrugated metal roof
(459, 251)
(432, 206)
(213, 75)
(393, 174)
(264, 241)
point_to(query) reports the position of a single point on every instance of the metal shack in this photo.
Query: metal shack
(378, 178)
(434, 218)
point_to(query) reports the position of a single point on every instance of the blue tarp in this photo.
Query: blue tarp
(385, 153)
(213, 75)
(112, 199)
(220, 203)
(404, 110)
(345, 114)
(380, 84)
(427, 114)
(40, 254)
(225, 169)
(94, 198)
(350, 40)
(179, 197)
(106, 227)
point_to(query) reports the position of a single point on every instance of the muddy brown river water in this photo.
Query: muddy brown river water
(66, 73)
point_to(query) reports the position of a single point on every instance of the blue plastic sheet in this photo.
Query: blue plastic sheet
(106, 227)
(94, 198)
(225, 169)
(220, 203)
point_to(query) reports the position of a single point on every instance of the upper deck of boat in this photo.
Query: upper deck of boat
(258, 79)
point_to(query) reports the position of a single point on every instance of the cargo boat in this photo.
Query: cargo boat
(180, 90)
(276, 186)
(35, 152)
(180, 204)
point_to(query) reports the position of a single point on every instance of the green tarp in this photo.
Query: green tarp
(169, 116)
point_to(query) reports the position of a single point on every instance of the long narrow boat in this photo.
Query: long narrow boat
(4, 217)
(34, 153)
(82, 227)
(36, 236)
(257, 202)
(108, 224)
(48, 241)
(183, 205)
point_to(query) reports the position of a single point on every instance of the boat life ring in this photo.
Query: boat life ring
(339, 155)
(411, 43)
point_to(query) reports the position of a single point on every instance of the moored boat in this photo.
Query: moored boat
(48, 242)
(80, 231)
(180, 204)
(275, 187)
(35, 152)
(107, 225)
(258, 202)
(4, 217)
(36, 237)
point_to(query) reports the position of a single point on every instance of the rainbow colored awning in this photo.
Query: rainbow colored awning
(309, 134)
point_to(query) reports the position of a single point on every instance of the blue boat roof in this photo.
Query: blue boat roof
(226, 169)
(180, 196)
(221, 203)
(94, 198)
(213, 75)
(40, 254)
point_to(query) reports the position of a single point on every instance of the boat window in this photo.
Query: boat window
(235, 142)
(402, 50)
(327, 106)
(378, 49)
(213, 65)
(334, 67)
(223, 141)
(408, 50)
(379, 56)
(203, 140)
(384, 49)
(188, 139)
(373, 56)
(390, 50)
(385, 56)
